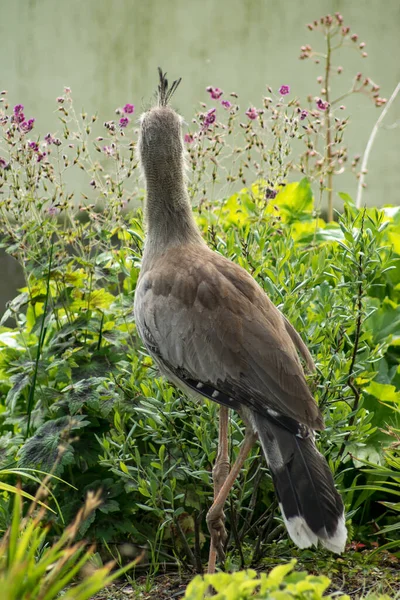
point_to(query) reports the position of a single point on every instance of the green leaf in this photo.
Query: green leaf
(347, 198)
(7, 338)
(51, 443)
(385, 321)
(384, 392)
(278, 573)
(296, 201)
(20, 382)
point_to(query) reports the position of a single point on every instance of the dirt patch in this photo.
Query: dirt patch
(356, 582)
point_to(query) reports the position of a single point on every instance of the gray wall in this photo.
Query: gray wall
(107, 52)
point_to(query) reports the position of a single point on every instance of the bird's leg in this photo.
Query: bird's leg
(221, 468)
(215, 516)
(220, 472)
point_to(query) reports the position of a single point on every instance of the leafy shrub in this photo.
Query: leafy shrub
(132, 434)
(32, 569)
(282, 583)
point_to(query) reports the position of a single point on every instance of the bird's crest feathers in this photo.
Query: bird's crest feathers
(165, 93)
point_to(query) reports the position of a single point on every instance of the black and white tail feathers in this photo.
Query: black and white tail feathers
(311, 506)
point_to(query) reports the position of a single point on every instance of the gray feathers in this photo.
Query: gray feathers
(210, 320)
(311, 506)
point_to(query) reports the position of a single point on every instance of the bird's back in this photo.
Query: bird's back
(207, 318)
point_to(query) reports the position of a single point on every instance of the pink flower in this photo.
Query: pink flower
(209, 118)
(284, 90)
(40, 156)
(215, 93)
(303, 114)
(33, 146)
(189, 139)
(3, 163)
(19, 116)
(123, 122)
(129, 109)
(226, 104)
(26, 126)
(270, 194)
(321, 104)
(252, 113)
(49, 139)
(52, 210)
(108, 150)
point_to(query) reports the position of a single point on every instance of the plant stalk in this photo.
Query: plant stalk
(370, 144)
(328, 126)
(350, 381)
(40, 344)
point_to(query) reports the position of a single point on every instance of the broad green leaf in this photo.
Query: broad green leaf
(295, 201)
(7, 338)
(347, 198)
(384, 392)
(385, 321)
(278, 573)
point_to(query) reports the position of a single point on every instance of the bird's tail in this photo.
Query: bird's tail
(311, 506)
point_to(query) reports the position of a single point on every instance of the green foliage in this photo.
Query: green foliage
(282, 583)
(32, 569)
(73, 375)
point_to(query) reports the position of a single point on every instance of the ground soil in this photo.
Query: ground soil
(349, 576)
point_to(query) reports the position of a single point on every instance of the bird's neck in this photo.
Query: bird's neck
(168, 213)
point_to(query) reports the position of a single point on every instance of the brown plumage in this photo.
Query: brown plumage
(213, 331)
(197, 299)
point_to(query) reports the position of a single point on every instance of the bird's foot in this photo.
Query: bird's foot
(219, 474)
(216, 526)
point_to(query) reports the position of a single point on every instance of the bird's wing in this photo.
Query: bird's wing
(300, 345)
(209, 324)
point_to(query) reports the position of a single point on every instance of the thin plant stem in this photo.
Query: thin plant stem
(328, 126)
(40, 344)
(370, 144)
(359, 318)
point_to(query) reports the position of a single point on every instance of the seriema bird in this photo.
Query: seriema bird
(214, 332)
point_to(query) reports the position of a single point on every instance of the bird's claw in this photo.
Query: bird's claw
(216, 527)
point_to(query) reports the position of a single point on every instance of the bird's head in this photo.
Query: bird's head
(160, 141)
